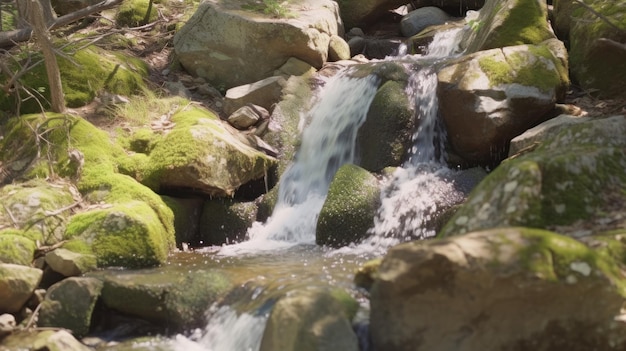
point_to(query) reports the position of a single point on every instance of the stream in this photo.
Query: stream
(280, 254)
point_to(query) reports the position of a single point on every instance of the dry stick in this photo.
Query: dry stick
(11, 216)
(12, 37)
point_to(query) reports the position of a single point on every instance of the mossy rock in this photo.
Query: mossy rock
(90, 71)
(349, 209)
(32, 206)
(575, 176)
(133, 13)
(202, 154)
(508, 23)
(127, 234)
(187, 212)
(310, 319)
(598, 61)
(225, 221)
(386, 135)
(171, 299)
(15, 248)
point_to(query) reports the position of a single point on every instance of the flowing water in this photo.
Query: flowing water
(281, 254)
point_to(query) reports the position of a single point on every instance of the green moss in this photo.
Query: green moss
(128, 235)
(225, 221)
(499, 72)
(16, 249)
(90, 71)
(134, 13)
(349, 304)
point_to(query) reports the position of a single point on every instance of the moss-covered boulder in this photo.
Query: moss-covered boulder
(16, 248)
(69, 263)
(84, 74)
(43, 339)
(489, 97)
(573, 178)
(172, 299)
(311, 319)
(17, 284)
(225, 221)
(70, 304)
(128, 234)
(508, 23)
(203, 154)
(538, 289)
(37, 209)
(385, 138)
(187, 212)
(597, 51)
(349, 209)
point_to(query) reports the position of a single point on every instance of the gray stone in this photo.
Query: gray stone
(244, 118)
(17, 284)
(264, 93)
(338, 49)
(70, 304)
(501, 289)
(422, 18)
(70, 264)
(294, 67)
(531, 138)
(7, 324)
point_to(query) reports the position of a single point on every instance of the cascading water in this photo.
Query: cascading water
(410, 197)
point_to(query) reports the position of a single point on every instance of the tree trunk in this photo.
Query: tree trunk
(42, 37)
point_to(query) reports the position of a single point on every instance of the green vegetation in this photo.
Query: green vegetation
(274, 8)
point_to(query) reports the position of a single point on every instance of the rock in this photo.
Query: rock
(531, 138)
(15, 248)
(350, 206)
(203, 154)
(536, 289)
(338, 49)
(489, 97)
(264, 93)
(367, 274)
(230, 46)
(597, 50)
(294, 67)
(307, 320)
(51, 340)
(7, 325)
(246, 117)
(418, 20)
(570, 179)
(562, 17)
(70, 304)
(123, 235)
(508, 23)
(70, 264)
(386, 136)
(225, 221)
(17, 284)
(357, 45)
(25, 206)
(171, 299)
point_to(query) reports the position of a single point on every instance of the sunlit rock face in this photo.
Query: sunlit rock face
(499, 289)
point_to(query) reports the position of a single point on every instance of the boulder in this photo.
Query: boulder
(338, 49)
(247, 116)
(27, 206)
(349, 209)
(231, 44)
(173, 299)
(17, 284)
(562, 11)
(70, 264)
(187, 213)
(421, 18)
(499, 289)
(573, 181)
(508, 23)
(533, 137)
(7, 325)
(308, 320)
(35, 339)
(70, 304)
(489, 97)
(386, 136)
(264, 93)
(203, 154)
(16, 248)
(294, 67)
(225, 221)
(129, 235)
(597, 49)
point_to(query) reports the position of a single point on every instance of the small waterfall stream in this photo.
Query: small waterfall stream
(281, 253)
